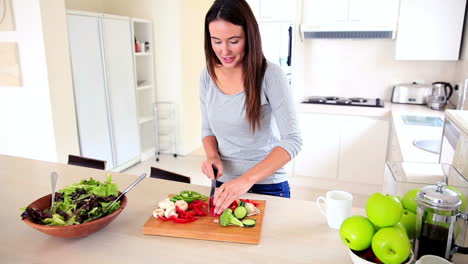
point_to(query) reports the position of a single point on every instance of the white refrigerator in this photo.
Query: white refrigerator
(104, 88)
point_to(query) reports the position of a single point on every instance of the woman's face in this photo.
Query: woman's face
(228, 42)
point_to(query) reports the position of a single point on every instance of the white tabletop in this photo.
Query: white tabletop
(293, 230)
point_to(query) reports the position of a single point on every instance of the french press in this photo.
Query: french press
(440, 225)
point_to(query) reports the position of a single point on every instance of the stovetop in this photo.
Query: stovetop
(352, 101)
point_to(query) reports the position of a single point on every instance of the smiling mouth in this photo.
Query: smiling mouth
(228, 59)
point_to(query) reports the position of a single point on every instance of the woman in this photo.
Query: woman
(240, 93)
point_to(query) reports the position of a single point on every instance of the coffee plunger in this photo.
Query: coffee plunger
(440, 225)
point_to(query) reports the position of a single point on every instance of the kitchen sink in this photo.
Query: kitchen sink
(431, 145)
(422, 120)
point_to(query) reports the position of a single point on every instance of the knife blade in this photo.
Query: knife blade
(213, 188)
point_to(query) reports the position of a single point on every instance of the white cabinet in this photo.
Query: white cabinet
(393, 149)
(363, 149)
(318, 13)
(273, 10)
(430, 29)
(145, 84)
(350, 15)
(344, 148)
(103, 83)
(320, 137)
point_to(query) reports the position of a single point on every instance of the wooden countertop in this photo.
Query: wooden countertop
(294, 231)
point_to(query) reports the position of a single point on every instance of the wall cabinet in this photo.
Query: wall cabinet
(430, 29)
(273, 10)
(343, 148)
(145, 85)
(104, 88)
(350, 15)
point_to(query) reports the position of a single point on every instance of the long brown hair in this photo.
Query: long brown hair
(254, 64)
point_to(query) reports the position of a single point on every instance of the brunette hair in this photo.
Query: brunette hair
(254, 64)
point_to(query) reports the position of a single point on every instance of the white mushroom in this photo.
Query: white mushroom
(166, 203)
(170, 211)
(251, 209)
(158, 213)
(183, 205)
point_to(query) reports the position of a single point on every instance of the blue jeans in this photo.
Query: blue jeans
(275, 189)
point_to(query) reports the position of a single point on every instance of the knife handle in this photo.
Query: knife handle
(215, 171)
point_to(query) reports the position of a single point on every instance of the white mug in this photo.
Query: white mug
(338, 206)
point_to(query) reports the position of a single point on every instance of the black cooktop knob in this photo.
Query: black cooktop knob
(377, 101)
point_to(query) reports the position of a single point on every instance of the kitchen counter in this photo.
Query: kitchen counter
(406, 134)
(293, 231)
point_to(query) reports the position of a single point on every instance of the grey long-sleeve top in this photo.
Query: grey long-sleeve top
(223, 116)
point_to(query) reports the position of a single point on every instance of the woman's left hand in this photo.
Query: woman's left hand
(229, 192)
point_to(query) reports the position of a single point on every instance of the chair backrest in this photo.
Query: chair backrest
(86, 162)
(167, 175)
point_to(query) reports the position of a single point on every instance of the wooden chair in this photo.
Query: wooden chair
(86, 162)
(167, 175)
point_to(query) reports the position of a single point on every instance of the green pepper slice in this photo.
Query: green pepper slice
(190, 196)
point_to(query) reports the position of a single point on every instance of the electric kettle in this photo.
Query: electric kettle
(441, 92)
(440, 225)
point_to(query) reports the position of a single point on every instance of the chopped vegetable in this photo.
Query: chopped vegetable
(183, 205)
(170, 212)
(166, 203)
(251, 209)
(240, 212)
(77, 203)
(233, 205)
(189, 196)
(249, 201)
(227, 218)
(181, 211)
(158, 213)
(249, 222)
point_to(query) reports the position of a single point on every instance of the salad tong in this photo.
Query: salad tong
(105, 209)
(53, 183)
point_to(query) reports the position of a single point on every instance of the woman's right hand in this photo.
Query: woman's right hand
(207, 167)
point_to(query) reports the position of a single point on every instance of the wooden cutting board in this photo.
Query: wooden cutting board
(204, 228)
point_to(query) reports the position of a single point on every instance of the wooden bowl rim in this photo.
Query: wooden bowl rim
(123, 204)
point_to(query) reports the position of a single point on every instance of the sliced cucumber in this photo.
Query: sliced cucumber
(249, 222)
(240, 212)
(241, 203)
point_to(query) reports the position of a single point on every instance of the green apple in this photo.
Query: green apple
(409, 200)
(391, 245)
(357, 232)
(462, 197)
(383, 210)
(408, 222)
(399, 198)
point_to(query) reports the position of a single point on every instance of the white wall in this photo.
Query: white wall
(25, 112)
(364, 68)
(193, 61)
(85, 5)
(55, 32)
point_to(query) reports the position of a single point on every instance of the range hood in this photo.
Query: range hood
(349, 19)
(346, 32)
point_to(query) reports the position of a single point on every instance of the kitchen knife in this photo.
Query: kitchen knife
(213, 187)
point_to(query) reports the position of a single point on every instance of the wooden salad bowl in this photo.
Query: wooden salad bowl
(72, 231)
